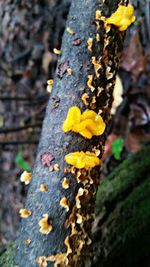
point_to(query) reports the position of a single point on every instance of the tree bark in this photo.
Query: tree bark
(54, 142)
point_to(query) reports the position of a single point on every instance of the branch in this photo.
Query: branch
(67, 234)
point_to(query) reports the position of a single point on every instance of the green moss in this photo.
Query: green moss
(6, 259)
(121, 182)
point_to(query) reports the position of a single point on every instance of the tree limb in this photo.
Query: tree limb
(56, 143)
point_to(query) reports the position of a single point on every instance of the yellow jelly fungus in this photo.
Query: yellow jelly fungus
(73, 117)
(49, 86)
(69, 250)
(65, 183)
(88, 123)
(82, 159)
(26, 177)
(45, 226)
(56, 167)
(98, 14)
(123, 17)
(69, 71)
(27, 241)
(42, 261)
(43, 187)
(24, 213)
(97, 37)
(85, 99)
(57, 51)
(97, 65)
(90, 44)
(79, 218)
(81, 192)
(64, 203)
(58, 259)
(89, 83)
(69, 30)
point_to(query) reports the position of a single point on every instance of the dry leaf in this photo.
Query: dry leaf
(133, 59)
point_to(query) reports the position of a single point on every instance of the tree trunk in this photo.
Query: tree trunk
(54, 143)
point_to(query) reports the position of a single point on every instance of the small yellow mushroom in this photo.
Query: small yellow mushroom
(88, 124)
(90, 44)
(24, 213)
(123, 17)
(26, 177)
(82, 159)
(45, 226)
(57, 51)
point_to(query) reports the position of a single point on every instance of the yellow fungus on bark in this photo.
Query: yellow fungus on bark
(57, 51)
(27, 241)
(82, 159)
(97, 66)
(26, 177)
(24, 213)
(88, 124)
(90, 44)
(65, 183)
(69, 249)
(50, 85)
(85, 99)
(64, 203)
(42, 261)
(56, 167)
(89, 83)
(69, 30)
(69, 71)
(73, 117)
(45, 226)
(123, 17)
(43, 187)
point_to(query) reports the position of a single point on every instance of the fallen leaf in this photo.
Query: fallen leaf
(108, 145)
(76, 41)
(133, 59)
(46, 159)
(56, 100)
(136, 139)
(62, 69)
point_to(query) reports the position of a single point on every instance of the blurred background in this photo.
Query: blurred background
(29, 30)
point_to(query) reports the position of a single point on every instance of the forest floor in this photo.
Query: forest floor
(28, 35)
